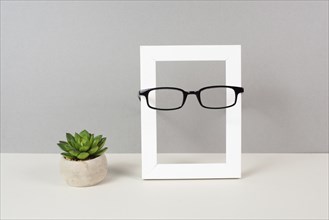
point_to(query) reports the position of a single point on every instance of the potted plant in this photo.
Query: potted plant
(84, 162)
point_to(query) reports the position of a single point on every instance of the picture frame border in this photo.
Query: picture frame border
(149, 55)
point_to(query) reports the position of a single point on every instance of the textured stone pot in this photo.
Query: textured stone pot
(84, 173)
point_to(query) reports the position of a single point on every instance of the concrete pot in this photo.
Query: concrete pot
(84, 173)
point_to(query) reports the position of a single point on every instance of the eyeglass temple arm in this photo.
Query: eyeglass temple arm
(140, 92)
(139, 95)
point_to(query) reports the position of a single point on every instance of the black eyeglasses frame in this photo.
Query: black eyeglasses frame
(145, 93)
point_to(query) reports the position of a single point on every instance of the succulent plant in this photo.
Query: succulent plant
(82, 146)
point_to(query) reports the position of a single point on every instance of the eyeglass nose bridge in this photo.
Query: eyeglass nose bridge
(196, 93)
(192, 93)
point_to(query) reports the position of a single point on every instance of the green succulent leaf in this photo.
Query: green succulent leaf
(84, 142)
(85, 134)
(84, 148)
(64, 146)
(83, 155)
(71, 141)
(100, 152)
(93, 150)
(91, 140)
(74, 145)
(69, 137)
(68, 156)
(101, 143)
(97, 140)
(74, 153)
(77, 138)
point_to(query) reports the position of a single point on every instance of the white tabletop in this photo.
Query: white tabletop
(273, 186)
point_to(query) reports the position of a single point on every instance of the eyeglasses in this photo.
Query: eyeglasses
(171, 98)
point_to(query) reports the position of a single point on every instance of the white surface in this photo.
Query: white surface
(273, 186)
(149, 55)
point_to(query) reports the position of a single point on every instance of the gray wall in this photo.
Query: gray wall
(66, 66)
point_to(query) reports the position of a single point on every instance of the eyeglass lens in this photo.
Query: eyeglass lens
(217, 97)
(166, 98)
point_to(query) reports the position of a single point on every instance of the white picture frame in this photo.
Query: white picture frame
(149, 55)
